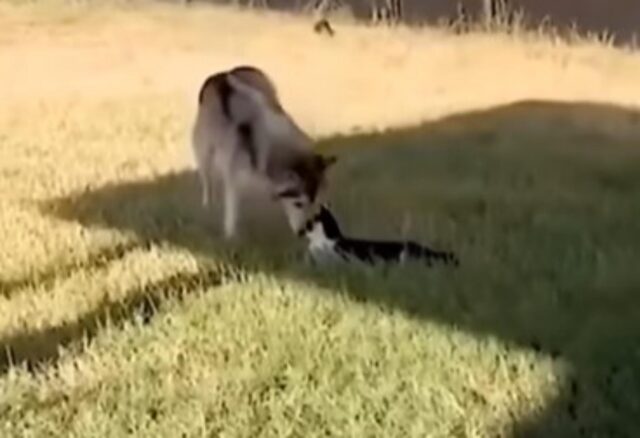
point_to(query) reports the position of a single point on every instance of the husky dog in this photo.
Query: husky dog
(242, 133)
(327, 243)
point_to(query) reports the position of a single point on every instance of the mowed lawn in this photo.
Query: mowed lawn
(123, 313)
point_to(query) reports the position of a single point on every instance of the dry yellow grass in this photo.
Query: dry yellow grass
(411, 75)
(93, 95)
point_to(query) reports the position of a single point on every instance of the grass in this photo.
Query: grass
(122, 313)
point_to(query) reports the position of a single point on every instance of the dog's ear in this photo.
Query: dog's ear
(326, 161)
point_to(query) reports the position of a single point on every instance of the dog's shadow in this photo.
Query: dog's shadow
(536, 199)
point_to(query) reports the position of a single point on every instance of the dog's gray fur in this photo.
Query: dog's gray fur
(242, 133)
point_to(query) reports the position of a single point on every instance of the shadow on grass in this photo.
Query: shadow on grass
(46, 277)
(38, 347)
(540, 199)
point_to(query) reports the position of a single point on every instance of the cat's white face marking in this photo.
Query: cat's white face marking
(318, 239)
(321, 248)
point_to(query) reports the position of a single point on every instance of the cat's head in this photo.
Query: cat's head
(323, 223)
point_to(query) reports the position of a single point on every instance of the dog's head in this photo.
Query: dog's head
(301, 185)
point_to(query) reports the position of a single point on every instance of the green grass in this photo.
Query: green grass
(123, 313)
(202, 340)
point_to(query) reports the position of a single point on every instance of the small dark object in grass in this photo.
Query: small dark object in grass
(323, 26)
(535, 345)
(574, 388)
(611, 375)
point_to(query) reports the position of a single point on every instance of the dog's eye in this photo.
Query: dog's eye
(299, 204)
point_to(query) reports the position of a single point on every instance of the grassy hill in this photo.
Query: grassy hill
(123, 313)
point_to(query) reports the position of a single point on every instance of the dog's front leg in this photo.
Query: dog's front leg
(204, 164)
(206, 183)
(230, 209)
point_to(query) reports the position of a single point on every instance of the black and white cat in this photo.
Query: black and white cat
(326, 242)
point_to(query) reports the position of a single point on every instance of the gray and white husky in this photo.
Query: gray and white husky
(243, 133)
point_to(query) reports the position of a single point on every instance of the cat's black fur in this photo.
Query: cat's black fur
(370, 251)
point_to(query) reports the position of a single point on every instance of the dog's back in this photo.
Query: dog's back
(257, 79)
(218, 88)
(239, 110)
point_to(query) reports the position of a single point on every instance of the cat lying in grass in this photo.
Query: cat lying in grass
(326, 242)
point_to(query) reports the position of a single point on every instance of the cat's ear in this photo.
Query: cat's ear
(329, 160)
